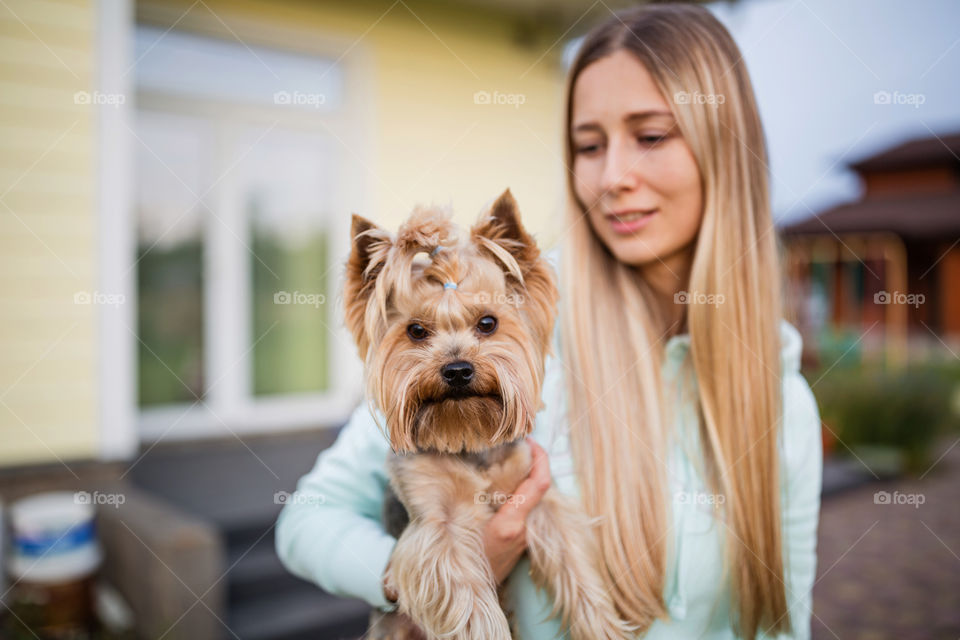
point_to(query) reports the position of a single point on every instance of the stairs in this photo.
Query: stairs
(266, 602)
(231, 484)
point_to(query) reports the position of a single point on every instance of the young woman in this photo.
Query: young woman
(675, 406)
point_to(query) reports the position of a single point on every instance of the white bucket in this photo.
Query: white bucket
(53, 538)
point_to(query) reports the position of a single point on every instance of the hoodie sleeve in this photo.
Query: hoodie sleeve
(329, 532)
(802, 470)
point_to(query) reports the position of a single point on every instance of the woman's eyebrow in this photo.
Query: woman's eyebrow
(643, 115)
(629, 118)
(588, 126)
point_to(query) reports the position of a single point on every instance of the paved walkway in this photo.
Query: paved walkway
(889, 563)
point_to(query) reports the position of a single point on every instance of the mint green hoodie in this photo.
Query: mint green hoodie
(329, 531)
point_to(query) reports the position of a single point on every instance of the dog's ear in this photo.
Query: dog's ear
(369, 247)
(500, 232)
(502, 228)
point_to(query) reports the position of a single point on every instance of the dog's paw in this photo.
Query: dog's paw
(487, 620)
(447, 589)
(393, 626)
(461, 612)
(389, 585)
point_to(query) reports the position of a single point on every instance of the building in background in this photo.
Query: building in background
(885, 268)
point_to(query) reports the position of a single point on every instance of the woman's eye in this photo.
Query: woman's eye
(417, 331)
(487, 325)
(650, 140)
(587, 149)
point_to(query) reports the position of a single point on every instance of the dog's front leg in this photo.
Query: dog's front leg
(439, 568)
(564, 562)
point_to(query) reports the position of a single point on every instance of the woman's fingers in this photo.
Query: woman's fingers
(528, 494)
(513, 514)
(505, 533)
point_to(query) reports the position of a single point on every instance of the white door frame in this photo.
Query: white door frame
(116, 386)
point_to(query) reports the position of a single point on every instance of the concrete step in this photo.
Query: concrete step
(232, 485)
(259, 572)
(296, 614)
(266, 601)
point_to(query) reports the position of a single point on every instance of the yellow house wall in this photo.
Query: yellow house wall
(420, 66)
(48, 377)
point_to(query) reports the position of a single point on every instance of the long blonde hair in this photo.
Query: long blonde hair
(612, 334)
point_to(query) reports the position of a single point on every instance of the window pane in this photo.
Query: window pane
(179, 63)
(288, 194)
(172, 168)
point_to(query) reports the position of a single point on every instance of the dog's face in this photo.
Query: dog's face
(453, 328)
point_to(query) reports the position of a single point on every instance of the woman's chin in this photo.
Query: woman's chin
(636, 252)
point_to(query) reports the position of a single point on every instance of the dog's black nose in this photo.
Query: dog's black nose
(457, 374)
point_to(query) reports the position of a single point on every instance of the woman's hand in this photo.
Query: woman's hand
(505, 536)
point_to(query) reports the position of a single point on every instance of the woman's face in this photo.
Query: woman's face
(633, 171)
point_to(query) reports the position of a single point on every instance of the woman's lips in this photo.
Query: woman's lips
(627, 222)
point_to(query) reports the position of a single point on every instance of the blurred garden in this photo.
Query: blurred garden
(889, 417)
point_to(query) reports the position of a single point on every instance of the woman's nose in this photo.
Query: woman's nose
(620, 169)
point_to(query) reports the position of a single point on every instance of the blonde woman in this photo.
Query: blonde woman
(675, 406)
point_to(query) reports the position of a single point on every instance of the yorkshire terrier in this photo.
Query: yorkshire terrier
(453, 330)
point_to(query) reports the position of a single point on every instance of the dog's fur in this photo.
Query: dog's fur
(458, 443)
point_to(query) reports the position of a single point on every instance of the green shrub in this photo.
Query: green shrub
(906, 408)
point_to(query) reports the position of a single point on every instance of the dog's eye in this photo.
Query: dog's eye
(417, 331)
(487, 325)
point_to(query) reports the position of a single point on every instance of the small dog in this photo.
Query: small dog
(453, 330)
